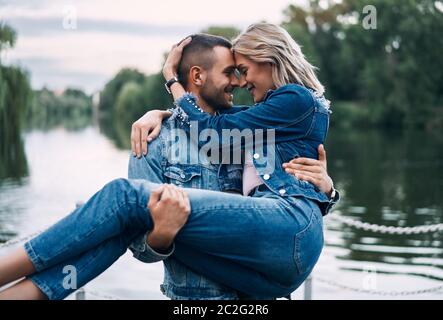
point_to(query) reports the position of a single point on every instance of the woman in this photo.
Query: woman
(263, 244)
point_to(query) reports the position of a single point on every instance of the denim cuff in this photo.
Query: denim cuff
(143, 252)
(38, 264)
(183, 106)
(187, 106)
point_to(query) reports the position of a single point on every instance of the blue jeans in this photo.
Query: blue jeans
(263, 246)
(179, 281)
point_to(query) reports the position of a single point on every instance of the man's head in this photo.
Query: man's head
(207, 69)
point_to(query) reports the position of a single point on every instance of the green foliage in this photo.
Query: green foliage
(228, 32)
(8, 36)
(395, 70)
(72, 109)
(347, 114)
(129, 102)
(15, 93)
(112, 89)
(242, 97)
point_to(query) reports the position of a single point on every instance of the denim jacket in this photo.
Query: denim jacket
(299, 120)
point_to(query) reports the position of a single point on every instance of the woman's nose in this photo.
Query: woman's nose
(242, 81)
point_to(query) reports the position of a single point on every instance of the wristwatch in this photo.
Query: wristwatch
(169, 83)
(333, 193)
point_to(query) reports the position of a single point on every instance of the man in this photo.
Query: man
(207, 69)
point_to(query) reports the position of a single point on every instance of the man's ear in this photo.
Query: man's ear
(197, 75)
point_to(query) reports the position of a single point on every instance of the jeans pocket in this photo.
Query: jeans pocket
(309, 244)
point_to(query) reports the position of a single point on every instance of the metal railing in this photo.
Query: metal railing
(308, 284)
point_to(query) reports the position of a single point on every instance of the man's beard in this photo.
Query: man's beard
(214, 97)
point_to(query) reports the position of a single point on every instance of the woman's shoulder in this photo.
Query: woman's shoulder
(294, 88)
(295, 94)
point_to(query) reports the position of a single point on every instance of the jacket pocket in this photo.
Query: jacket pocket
(309, 244)
(231, 178)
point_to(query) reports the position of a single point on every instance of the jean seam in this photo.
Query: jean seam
(296, 254)
(202, 294)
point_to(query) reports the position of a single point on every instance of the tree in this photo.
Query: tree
(8, 36)
(396, 70)
(112, 89)
(15, 93)
(228, 32)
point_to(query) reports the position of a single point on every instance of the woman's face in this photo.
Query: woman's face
(255, 77)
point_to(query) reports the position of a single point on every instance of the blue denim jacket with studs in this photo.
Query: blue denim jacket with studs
(299, 120)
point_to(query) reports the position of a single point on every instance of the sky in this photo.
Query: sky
(83, 43)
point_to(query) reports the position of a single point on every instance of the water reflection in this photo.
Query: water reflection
(13, 164)
(394, 179)
(13, 172)
(386, 178)
(116, 130)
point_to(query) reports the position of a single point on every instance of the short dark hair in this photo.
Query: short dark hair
(199, 52)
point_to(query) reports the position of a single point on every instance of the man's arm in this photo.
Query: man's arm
(169, 207)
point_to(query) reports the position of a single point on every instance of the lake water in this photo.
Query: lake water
(385, 178)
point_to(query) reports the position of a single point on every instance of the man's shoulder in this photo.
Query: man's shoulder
(170, 124)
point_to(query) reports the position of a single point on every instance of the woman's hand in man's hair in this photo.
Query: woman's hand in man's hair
(146, 129)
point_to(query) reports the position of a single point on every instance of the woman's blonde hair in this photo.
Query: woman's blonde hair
(265, 42)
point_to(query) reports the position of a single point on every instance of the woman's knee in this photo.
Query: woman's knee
(118, 186)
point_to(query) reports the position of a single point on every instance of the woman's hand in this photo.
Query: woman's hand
(314, 171)
(173, 59)
(146, 129)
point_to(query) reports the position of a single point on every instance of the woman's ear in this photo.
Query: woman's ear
(198, 76)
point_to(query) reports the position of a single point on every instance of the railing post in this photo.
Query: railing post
(308, 288)
(80, 294)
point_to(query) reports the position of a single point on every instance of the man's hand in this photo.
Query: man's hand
(314, 171)
(146, 129)
(169, 207)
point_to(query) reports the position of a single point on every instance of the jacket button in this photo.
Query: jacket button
(182, 176)
(266, 176)
(256, 156)
(282, 191)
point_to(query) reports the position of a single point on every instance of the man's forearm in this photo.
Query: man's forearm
(159, 242)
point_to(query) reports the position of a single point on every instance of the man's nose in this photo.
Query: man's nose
(242, 81)
(234, 82)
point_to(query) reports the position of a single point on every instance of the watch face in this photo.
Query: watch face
(167, 88)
